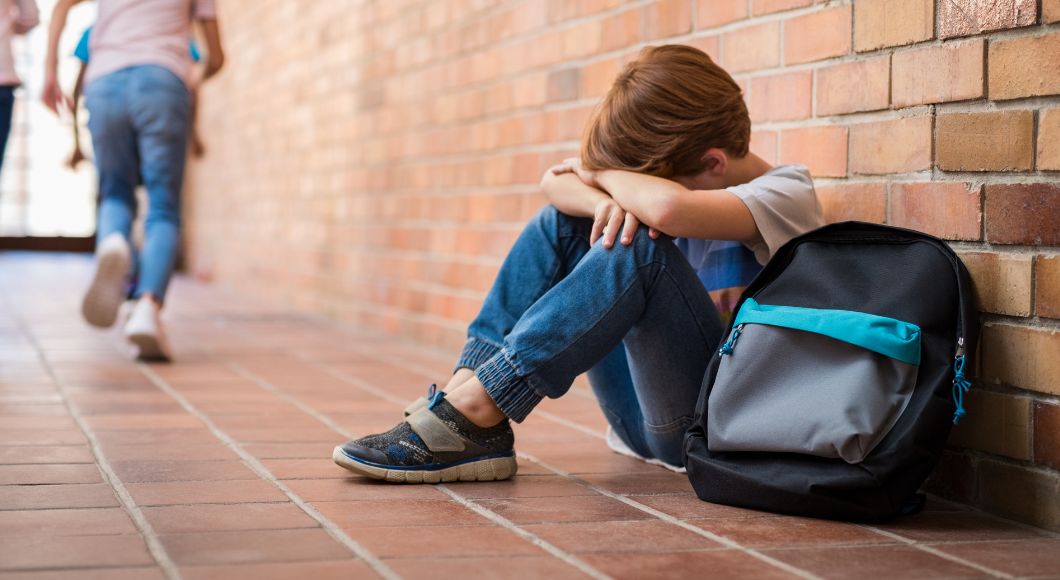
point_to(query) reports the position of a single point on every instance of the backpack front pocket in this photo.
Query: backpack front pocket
(830, 383)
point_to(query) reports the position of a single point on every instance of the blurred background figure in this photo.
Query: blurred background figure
(16, 17)
(82, 53)
(139, 86)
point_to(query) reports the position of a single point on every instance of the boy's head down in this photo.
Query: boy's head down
(665, 110)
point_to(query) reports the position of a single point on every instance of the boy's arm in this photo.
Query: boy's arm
(52, 95)
(215, 55)
(77, 155)
(677, 211)
(571, 196)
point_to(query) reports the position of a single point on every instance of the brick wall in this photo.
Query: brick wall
(373, 161)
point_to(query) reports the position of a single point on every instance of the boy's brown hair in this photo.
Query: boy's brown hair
(664, 111)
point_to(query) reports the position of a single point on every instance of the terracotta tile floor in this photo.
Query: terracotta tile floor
(219, 466)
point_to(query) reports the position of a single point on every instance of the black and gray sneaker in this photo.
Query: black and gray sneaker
(434, 444)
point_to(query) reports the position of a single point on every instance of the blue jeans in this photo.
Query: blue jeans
(7, 106)
(636, 318)
(139, 118)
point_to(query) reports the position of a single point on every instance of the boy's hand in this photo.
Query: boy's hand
(53, 97)
(610, 219)
(574, 165)
(76, 157)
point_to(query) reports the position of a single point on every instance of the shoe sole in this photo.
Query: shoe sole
(495, 469)
(107, 292)
(148, 347)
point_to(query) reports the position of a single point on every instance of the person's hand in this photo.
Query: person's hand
(76, 157)
(609, 220)
(197, 148)
(574, 165)
(53, 97)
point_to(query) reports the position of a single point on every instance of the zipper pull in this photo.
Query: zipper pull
(729, 344)
(961, 384)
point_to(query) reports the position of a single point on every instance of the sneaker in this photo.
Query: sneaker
(434, 444)
(107, 292)
(144, 330)
(616, 444)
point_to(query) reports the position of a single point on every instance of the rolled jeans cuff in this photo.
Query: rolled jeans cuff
(510, 392)
(476, 352)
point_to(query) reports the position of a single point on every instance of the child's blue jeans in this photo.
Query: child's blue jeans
(139, 118)
(636, 318)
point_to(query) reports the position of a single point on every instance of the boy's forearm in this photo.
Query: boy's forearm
(55, 30)
(651, 199)
(570, 195)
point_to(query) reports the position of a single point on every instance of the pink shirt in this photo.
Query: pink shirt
(16, 17)
(136, 32)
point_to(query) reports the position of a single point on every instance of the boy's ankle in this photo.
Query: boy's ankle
(472, 401)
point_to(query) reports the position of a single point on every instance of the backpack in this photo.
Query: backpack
(839, 379)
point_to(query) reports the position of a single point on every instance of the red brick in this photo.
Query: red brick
(882, 23)
(822, 149)
(712, 13)
(816, 36)
(224, 518)
(853, 87)
(895, 146)
(1024, 67)
(766, 6)
(764, 144)
(965, 17)
(621, 30)
(1015, 491)
(782, 97)
(991, 141)
(563, 85)
(866, 202)
(665, 18)
(597, 78)
(995, 423)
(947, 210)
(1046, 434)
(1050, 10)
(708, 44)
(1023, 213)
(1049, 140)
(1047, 286)
(1021, 356)
(751, 48)
(1002, 281)
(938, 74)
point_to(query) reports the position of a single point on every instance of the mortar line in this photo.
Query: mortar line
(633, 503)
(485, 512)
(128, 504)
(649, 510)
(936, 552)
(727, 542)
(263, 472)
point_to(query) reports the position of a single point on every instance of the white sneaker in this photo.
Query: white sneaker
(144, 330)
(107, 292)
(616, 444)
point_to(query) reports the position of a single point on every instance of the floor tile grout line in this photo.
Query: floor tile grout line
(644, 508)
(255, 464)
(936, 552)
(144, 528)
(728, 542)
(468, 503)
(907, 541)
(525, 534)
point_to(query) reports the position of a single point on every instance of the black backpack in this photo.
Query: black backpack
(841, 374)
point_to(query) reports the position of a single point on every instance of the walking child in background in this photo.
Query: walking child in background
(668, 148)
(81, 53)
(17, 17)
(139, 84)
